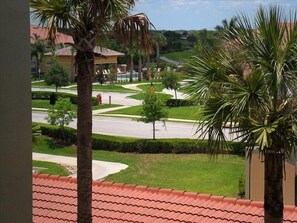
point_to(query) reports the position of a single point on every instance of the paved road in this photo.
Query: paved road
(128, 127)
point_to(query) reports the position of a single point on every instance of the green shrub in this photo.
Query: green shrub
(179, 102)
(133, 145)
(46, 96)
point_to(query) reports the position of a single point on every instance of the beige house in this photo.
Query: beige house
(66, 57)
(254, 186)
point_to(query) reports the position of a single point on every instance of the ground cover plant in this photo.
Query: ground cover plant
(190, 172)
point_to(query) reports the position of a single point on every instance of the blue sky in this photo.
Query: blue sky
(200, 14)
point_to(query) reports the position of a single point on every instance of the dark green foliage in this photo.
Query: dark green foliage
(179, 102)
(46, 96)
(170, 79)
(35, 131)
(57, 75)
(133, 145)
(241, 187)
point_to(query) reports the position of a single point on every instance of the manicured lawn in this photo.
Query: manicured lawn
(140, 96)
(108, 88)
(189, 112)
(51, 168)
(42, 84)
(190, 172)
(36, 103)
(145, 87)
(179, 56)
(45, 104)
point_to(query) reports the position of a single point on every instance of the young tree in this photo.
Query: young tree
(251, 85)
(89, 22)
(61, 114)
(170, 79)
(57, 75)
(153, 109)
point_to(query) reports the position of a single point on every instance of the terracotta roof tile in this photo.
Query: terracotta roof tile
(105, 52)
(42, 32)
(54, 200)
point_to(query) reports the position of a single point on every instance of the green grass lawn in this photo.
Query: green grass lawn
(51, 168)
(179, 56)
(140, 96)
(189, 112)
(158, 87)
(42, 84)
(45, 104)
(190, 172)
(109, 88)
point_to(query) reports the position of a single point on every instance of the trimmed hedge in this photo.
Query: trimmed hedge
(179, 102)
(46, 96)
(133, 145)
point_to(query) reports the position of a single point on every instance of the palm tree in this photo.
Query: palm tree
(159, 40)
(252, 88)
(125, 28)
(88, 23)
(38, 49)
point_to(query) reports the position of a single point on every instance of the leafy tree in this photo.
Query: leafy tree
(57, 75)
(252, 87)
(153, 109)
(89, 22)
(170, 79)
(61, 114)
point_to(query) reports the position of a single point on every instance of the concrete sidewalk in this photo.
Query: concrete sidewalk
(101, 169)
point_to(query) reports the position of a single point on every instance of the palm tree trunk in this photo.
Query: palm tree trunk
(273, 190)
(158, 53)
(154, 130)
(131, 68)
(85, 62)
(148, 67)
(139, 68)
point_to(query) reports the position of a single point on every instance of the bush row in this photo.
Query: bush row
(125, 144)
(179, 102)
(46, 95)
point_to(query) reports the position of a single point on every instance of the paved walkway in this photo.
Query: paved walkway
(101, 169)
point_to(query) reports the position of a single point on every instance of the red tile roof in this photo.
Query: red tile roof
(99, 50)
(54, 200)
(42, 32)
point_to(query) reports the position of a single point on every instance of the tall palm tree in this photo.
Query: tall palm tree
(38, 49)
(252, 88)
(125, 28)
(88, 23)
(159, 40)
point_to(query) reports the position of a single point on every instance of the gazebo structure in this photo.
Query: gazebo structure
(66, 57)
